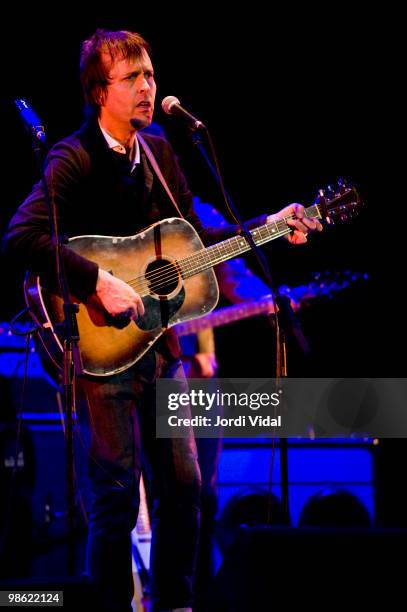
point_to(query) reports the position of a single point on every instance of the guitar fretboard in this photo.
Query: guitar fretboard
(237, 245)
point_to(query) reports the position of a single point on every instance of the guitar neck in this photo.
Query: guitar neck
(237, 245)
(223, 316)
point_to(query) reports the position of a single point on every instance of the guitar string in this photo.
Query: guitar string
(192, 263)
(170, 272)
(186, 268)
(280, 225)
(204, 264)
(150, 275)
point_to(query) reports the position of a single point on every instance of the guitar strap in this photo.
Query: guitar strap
(158, 172)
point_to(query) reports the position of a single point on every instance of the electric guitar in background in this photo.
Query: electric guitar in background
(325, 285)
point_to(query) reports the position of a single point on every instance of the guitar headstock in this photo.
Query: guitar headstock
(338, 203)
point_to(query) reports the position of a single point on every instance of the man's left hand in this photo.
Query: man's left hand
(300, 223)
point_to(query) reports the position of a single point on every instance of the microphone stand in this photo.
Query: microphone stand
(283, 319)
(71, 358)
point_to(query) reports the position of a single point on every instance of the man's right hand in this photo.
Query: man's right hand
(117, 296)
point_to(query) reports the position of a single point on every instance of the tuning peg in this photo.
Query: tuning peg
(321, 199)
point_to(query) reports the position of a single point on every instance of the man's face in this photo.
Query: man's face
(130, 96)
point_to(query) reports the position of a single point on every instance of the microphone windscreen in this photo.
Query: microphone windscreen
(167, 104)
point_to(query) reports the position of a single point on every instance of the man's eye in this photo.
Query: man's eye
(132, 77)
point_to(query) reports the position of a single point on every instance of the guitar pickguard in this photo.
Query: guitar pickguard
(160, 311)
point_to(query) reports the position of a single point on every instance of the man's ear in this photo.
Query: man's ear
(100, 96)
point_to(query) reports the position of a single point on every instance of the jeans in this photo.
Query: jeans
(121, 426)
(209, 450)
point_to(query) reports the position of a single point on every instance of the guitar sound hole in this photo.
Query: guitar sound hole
(162, 277)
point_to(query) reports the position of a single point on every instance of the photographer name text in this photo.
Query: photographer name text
(240, 421)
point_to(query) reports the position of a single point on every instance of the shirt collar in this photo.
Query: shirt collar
(119, 148)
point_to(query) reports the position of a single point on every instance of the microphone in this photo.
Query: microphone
(31, 121)
(171, 105)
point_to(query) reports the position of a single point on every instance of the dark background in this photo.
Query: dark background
(287, 100)
(291, 98)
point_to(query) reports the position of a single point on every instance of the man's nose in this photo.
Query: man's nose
(143, 84)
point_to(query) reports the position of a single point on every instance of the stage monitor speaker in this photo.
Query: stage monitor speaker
(268, 567)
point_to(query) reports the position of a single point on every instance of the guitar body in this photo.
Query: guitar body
(109, 345)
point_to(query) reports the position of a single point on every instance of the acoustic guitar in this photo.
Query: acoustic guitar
(168, 265)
